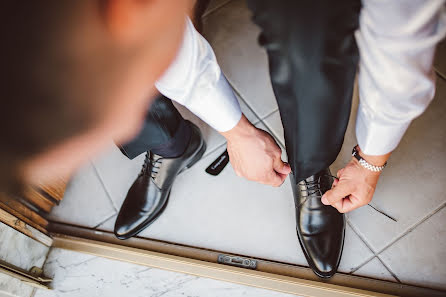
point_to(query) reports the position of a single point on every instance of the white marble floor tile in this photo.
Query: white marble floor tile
(412, 185)
(13, 287)
(419, 257)
(209, 287)
(85, 275)
(375, 269)
(233, 37)
(86, 202)
(21, 251)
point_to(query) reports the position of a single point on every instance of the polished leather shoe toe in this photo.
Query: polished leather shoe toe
(148, 196)
(320, 228)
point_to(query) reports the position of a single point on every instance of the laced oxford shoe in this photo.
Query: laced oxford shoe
(320, 228)
(148, 196)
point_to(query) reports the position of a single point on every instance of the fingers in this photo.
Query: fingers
(347, 204)
(280, 170)
(337, 193)
(344, 205)
(278, 165)
(275, 179)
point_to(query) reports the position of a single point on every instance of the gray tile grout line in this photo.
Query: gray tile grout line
(366, 244)
(379, 259)
(413, 227)
(440, 74)
(377, 254)
(103, 186)
(388, 269)
(211, 11)
(362, 264)
(213, 150)
(102, 222)
(360, 236)
(271, 113)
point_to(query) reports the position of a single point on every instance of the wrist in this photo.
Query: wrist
(377, 160)
(240, 131)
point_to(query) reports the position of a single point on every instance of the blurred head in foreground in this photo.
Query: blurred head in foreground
(76, 74)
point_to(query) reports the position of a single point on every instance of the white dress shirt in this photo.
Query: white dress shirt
(396, 41)
(195, 80)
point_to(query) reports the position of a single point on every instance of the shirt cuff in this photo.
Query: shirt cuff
(377, 137)
(218, 106)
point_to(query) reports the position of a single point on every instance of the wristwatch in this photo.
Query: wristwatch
(366, 164)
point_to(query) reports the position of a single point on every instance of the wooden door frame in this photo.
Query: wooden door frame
(292, 279)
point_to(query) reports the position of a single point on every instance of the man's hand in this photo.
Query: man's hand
(255, 155)
(355, 184)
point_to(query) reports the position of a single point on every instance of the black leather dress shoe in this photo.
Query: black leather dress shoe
(320, 228)
(148, 196)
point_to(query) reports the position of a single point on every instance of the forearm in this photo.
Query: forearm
(396, 40)
(196, 81)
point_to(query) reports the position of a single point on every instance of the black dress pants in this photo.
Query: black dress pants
(165, 132)
(312, 56)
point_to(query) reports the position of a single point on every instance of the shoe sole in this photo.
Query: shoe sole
(144, 225)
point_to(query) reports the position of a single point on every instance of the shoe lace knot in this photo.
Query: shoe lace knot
(313, 188)
(151, 166)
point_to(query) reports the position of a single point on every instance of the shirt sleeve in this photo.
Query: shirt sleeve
(195, 80)
(396, 41)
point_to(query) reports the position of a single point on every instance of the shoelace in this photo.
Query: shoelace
(314, 187)
(155, 166)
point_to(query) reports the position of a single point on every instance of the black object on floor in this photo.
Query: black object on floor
(219, 164)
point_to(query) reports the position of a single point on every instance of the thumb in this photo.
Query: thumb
(337, 193)
(281, 167)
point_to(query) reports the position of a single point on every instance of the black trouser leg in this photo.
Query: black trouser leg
(312, 57)
(165, 132)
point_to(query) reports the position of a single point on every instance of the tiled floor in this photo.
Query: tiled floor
(259, 221)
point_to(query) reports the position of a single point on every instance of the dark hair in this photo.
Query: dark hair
(38, 107)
